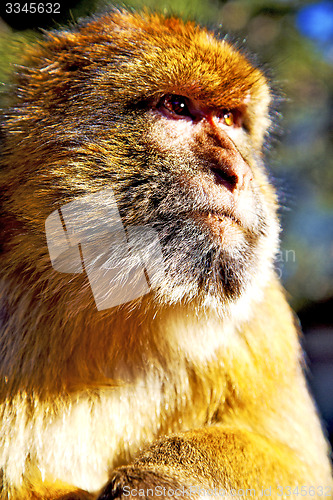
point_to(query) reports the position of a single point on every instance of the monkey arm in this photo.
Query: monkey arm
(219, 458)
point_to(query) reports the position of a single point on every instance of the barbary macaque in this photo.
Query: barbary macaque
(138, 140)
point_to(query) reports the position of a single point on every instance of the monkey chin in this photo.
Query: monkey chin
(215, 264)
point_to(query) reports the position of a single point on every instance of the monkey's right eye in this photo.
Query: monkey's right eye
(175, 105)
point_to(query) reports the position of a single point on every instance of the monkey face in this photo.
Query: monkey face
(174, 121)
(213, 210)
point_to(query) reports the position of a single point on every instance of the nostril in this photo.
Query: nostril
(224, 178)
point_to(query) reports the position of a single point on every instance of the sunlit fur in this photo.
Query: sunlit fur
(213, 350)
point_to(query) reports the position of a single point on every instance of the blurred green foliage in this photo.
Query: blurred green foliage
(283, 36)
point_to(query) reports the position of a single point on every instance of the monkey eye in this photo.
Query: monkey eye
(232, 117)
(176, 105)
(229, 118)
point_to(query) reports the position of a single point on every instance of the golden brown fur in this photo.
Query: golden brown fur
(200, 382)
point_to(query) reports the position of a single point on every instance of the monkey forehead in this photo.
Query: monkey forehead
(149, 54)
(185, 58)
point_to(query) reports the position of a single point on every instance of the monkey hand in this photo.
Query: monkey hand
(132, 481)
(169, 468)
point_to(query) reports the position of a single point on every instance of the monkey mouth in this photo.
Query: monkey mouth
(224, 227)
(219, 216)
(216, 217)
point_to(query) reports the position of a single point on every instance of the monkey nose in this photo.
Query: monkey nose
(232, 171)
(228, 166)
